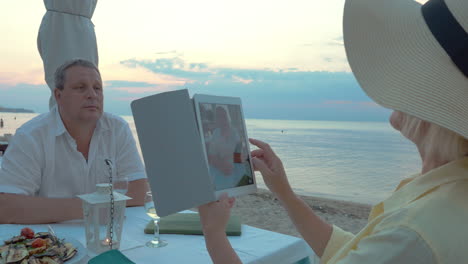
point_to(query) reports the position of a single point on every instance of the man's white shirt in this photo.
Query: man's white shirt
(42, 158)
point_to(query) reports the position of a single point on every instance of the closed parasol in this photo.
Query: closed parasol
(66, 32)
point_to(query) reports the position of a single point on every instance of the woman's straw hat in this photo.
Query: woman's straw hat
(411, 57)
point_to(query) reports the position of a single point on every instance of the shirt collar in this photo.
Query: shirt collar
(419, 185)
(60, 127)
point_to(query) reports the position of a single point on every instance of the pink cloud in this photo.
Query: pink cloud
(34, 76)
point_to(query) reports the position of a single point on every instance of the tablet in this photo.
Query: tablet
(225, 143)
(170, 142)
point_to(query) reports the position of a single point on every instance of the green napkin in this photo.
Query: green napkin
(189, 224)
(111, 256)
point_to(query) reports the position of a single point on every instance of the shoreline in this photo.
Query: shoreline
(263, 210)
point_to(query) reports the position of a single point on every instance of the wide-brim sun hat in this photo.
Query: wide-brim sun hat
(411, 57)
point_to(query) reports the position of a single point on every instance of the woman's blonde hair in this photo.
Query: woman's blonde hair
(446, 144)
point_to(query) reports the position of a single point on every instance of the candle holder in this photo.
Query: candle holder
(103, 212)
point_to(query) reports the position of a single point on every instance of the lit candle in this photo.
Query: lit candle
(106, 242)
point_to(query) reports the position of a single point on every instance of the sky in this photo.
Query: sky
(285, 59)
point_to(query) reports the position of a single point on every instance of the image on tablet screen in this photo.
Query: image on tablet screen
(226, 145)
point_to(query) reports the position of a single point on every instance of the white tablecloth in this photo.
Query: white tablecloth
(253, 246)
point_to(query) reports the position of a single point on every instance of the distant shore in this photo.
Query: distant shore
(264, 211)
(15, 110)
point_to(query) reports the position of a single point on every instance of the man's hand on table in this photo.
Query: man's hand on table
(24, 209)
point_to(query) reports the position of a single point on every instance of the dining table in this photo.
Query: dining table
(254, 245)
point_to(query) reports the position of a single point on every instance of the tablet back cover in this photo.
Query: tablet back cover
(172, 151)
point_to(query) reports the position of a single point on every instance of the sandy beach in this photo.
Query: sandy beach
(264, 211)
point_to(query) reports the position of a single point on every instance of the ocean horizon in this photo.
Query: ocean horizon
(355, 161)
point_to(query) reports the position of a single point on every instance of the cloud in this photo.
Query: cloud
(171, 66)
(202, 72)
(140, 90)
(122, 83)
(166, 52)
(33, 76)
(336, 42)
(133, 87)
(289, 93)
(268, 93)
(237, 79)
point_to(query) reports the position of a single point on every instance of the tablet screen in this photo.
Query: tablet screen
(225, 140)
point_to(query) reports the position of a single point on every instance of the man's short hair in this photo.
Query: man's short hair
(59, 76)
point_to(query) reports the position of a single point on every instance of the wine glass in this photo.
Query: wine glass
(121, 184)
(151, 211)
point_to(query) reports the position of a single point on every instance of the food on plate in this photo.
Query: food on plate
(38, 242)
(27, 232)
(35, 248)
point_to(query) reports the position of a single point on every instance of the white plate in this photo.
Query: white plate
(81, 251)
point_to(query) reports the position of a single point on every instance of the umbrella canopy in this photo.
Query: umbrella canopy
(66, 32)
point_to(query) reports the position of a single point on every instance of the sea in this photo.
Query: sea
(355, 161)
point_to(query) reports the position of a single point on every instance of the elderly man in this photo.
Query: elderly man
(62, 153)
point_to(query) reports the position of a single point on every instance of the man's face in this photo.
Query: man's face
(222, 119)
(81, 100)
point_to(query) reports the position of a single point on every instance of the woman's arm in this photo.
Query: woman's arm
(315, 231)
(214, 217)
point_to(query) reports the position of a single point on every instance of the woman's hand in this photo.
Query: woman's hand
(270, 166)
(215, 215)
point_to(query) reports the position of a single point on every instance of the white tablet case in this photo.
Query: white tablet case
(173, 153)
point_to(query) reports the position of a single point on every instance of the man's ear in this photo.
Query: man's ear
(57, 94)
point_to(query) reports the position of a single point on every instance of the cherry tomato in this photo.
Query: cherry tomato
(27, 232)
(38, 242)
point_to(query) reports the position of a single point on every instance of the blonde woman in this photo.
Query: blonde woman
(413, 59)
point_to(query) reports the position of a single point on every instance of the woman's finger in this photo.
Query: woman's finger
(267, 150)
(257, 153)
(259, 143)
(259, 165)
